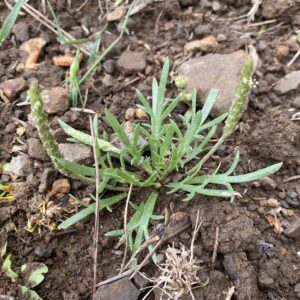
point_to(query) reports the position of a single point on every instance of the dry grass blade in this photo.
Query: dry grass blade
(96, 234)
(126, 229)
(179, 272)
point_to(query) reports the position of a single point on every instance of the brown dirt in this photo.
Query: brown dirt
(265, 135)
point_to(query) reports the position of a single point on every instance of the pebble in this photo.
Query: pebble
(252, 207)
(221, 37)
(293, 230)
(109, 66)
(273, 202)
(13, 87)
(21, 31)
(292, 199)
(284, 204)
(130, 62)
(107, 80)
(288, 83)
(47, 178)
(211, 71)
(56, 100)
(202, 30)
(282, 51)
(265, 281)
(10, 128)
(36, 150)
(42, 251)
(292, 202)
(77, 153)
(207, 44)
(21, 165)
(120, 289)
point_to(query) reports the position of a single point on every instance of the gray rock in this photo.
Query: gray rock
(36, 150)
(21, 165)
(47, 178)
(288, 83)
(56, 100)
(109, 66)
(21, 31)
(130, 62)
(293, 230)
(77, 153)
(212, 71)
(122, 289)
(265, 281)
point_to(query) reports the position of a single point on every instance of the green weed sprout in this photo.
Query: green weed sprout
(32, 274)
(73, 81)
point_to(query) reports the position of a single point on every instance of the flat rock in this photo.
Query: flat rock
(122, 289)
(47, 178)
(77, 153)
(293, 230)
(21, 165)
(288, 83)
(130, 62)
(56, 100)
(220, 71)
(36, 150)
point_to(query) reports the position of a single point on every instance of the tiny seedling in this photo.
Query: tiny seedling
(31, 275)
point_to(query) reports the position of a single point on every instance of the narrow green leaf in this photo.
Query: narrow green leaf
(104, 203)
(10, 21)
(208, 105)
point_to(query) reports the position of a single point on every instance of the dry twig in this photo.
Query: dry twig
(126, 229)
(216, 244)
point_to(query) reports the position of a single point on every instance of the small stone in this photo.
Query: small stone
(273, 202)
(21, 166)
(13, 87)
(77, 153)
(129, 113)
(21, 31)
(207, 44)
(130, 62)
(293, 230)
(116, 14)
(10, 128)
(296, 102)
(202, 30)
(36, 150)
(140, 114)
(56, 100)
(265, 281)
(284, 204)
(292, 202)
(107, 80)
(42, 251)
(221, 37)
(61, 186)
(282, 51)
(120, 289)
(211, 71)
(47, 178)
(252, 207)
(109, 66)
(288, 83)
(218, 6)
